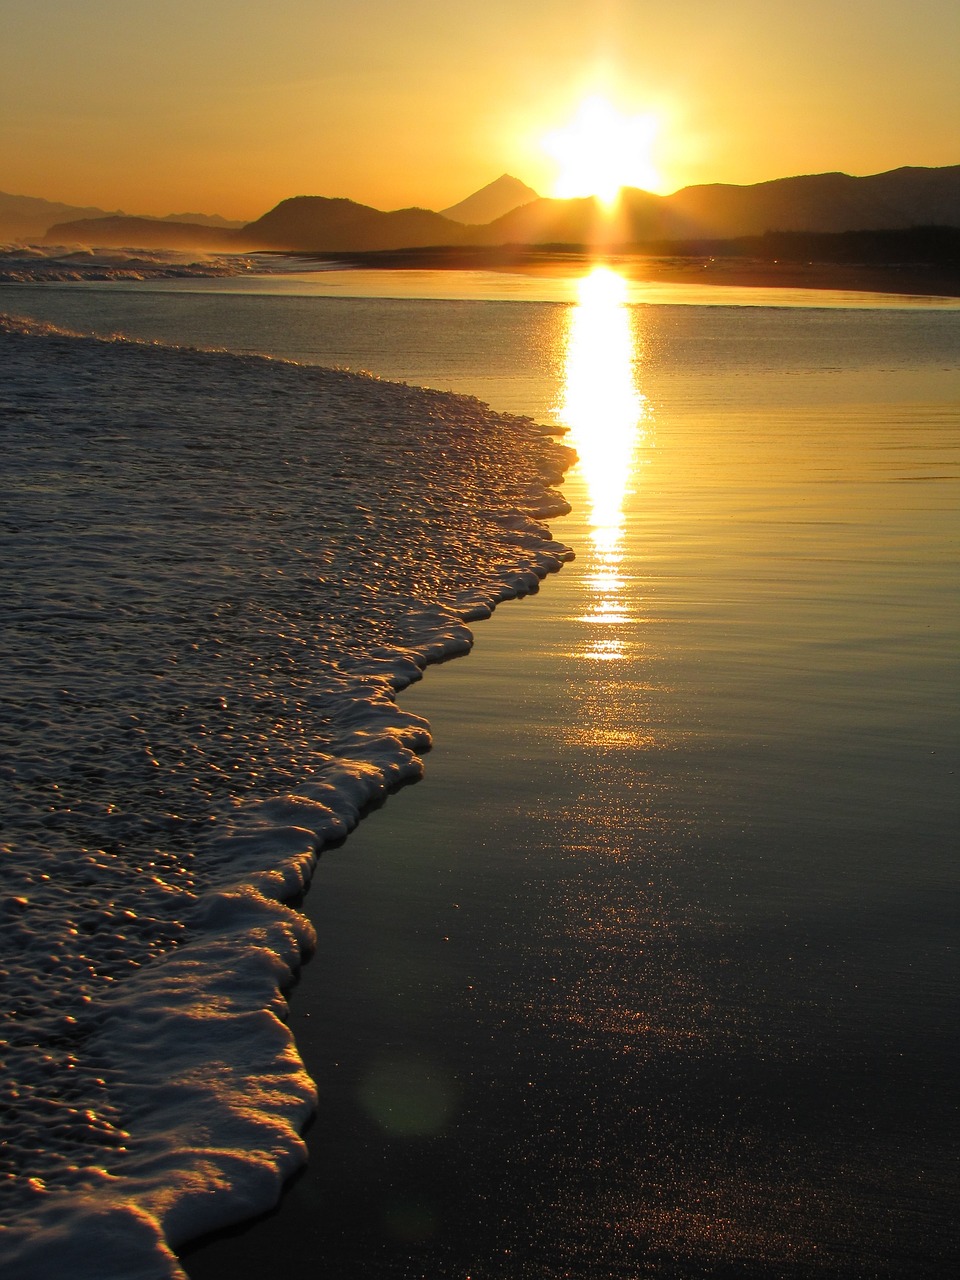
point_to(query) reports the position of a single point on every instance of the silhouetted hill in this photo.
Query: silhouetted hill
(143, 233)
(823, 202)
(827, 202)
(28, 217)
(492, 201)
(318, 223)
(819, 203)
(301, 224)
(204, 220)
(544, 221)
(579, 221)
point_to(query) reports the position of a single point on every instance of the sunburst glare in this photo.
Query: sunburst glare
(602, 150)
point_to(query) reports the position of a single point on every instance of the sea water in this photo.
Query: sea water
(704, 1019)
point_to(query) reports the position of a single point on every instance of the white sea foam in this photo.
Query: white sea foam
(218, 571)
(34, 264)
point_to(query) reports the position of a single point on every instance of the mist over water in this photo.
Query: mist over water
(657, 966)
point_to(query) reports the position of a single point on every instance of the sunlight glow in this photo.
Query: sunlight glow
(603, 407)
(601, 404)
(602, 150)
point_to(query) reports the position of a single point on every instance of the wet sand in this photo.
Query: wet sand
(418, 916)
(621, 988)
(652, 976)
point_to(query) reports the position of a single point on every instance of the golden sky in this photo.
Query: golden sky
(228, 106)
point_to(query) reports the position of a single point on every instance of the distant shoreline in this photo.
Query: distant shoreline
(909, 278)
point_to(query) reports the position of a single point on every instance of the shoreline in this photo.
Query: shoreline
(201, 984)
(495, 923)
(398, 854)
(909, 279)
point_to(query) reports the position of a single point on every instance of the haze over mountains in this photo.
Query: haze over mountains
(29, 218)
(492, 201)
(515, 215)
(828, 202)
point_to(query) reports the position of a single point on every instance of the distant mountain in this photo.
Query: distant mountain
(545, 221)
(142, 233)
(320, 223)
(203, 219)
(818, 203)
(822, 202)
(28, 217)
(492, 201)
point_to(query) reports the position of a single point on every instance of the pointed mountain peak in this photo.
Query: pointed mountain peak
(501, 196)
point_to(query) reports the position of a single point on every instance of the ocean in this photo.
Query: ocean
(654, 973)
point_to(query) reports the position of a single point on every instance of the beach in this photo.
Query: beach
(591, 1022)
(650, 974)
(479, 641)
(663, 922)
(159, 808)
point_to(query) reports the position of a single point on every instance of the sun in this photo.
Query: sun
(602, 150)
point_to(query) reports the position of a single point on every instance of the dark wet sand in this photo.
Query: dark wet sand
(419, 915)
(653, 975)
(603, 997)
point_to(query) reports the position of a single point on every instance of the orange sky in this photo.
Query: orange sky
(229, 105)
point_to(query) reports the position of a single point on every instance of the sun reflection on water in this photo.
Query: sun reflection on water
(603, 408)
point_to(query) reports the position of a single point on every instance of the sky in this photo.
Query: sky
(228, 106)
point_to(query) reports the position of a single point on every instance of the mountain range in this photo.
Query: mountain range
(515, 215)
(28, 218)
(826, 202)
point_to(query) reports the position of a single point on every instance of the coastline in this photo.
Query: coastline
(175, 1020)
(915, 279)
(649, 1029)
(440, 891)
(498, 816)
(640, 922)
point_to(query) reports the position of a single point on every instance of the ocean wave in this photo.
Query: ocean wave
(41, 264)
(219, 571)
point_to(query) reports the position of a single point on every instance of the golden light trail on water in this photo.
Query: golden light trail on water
(603, 407)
